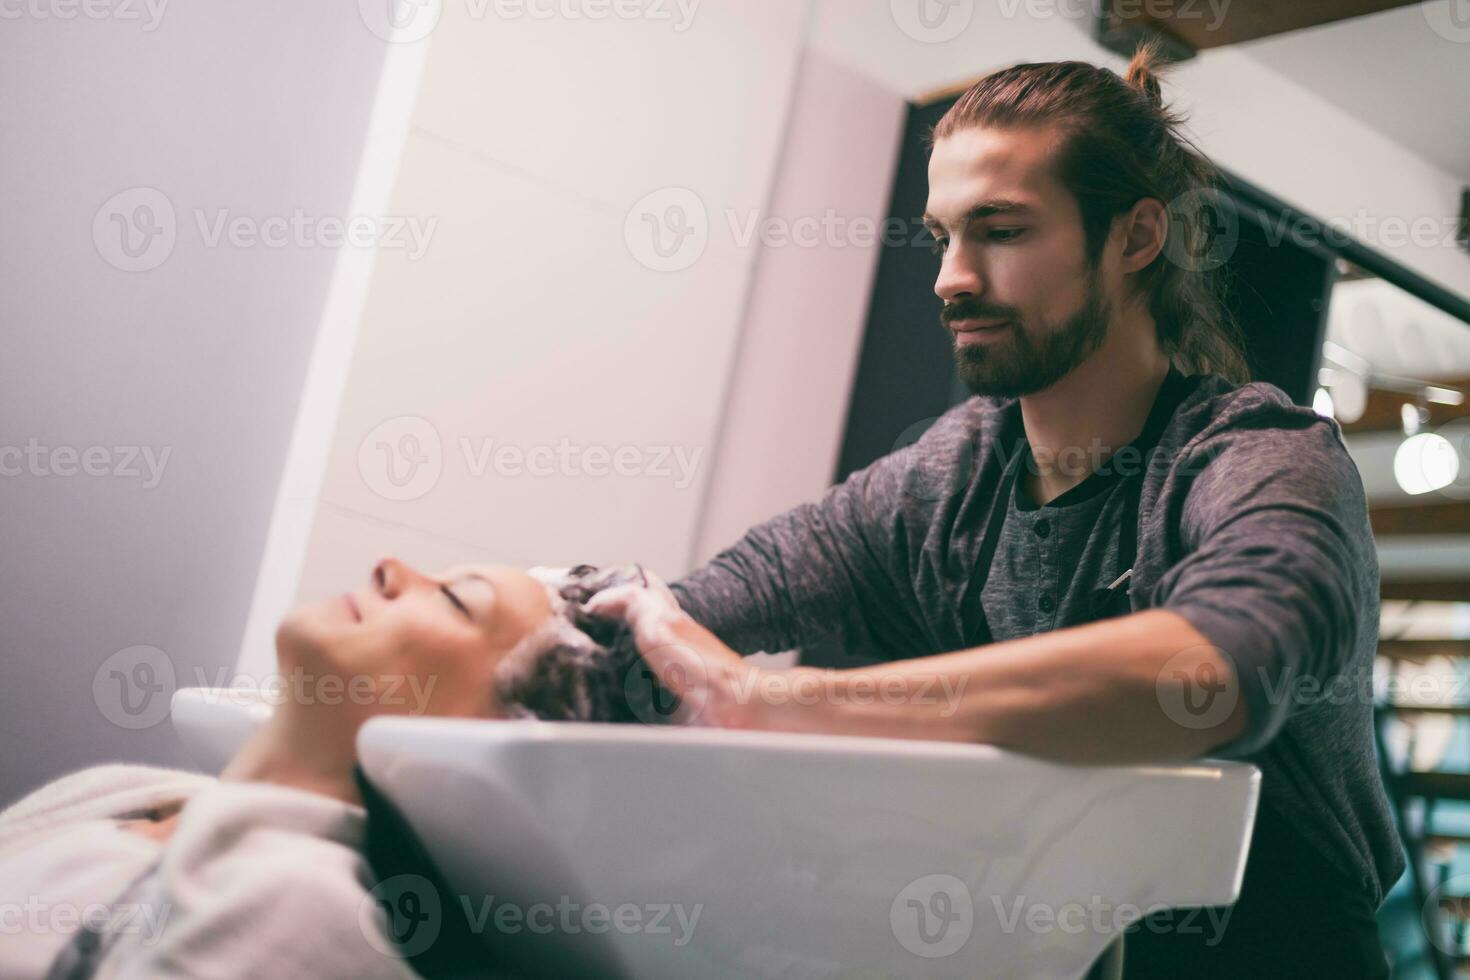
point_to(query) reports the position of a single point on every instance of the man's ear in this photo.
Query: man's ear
(1145, 228)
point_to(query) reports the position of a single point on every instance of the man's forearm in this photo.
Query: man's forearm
(1147, 687)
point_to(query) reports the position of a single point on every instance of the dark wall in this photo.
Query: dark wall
(905, 372)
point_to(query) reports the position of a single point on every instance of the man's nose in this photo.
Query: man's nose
(958, 279)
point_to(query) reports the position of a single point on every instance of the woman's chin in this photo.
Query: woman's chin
(305, 638)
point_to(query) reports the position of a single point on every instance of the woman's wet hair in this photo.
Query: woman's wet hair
(581, 667)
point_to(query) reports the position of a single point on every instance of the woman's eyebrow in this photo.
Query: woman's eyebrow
(463, 572)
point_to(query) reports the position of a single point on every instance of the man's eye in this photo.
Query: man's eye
(455, 599)
(1006, 234)
(940, 244)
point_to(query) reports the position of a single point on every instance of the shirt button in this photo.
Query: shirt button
(1046, 604)
(1042, 528)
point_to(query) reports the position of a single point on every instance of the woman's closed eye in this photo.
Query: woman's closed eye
(457, 604)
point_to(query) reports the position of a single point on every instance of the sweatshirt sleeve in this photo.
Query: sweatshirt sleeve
(257, 880)
(1279, 566)
(820, 567)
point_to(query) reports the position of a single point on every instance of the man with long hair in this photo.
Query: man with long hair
(1119, 550)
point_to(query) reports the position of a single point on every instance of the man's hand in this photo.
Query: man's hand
(689, 660)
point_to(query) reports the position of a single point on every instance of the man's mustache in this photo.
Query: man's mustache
(969, 311)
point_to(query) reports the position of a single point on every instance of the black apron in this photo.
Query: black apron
(1112, 599)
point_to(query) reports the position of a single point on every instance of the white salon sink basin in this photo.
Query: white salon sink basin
(670, 852)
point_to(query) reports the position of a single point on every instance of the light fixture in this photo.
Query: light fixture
(1425, 461)
(1348, 378)
(1346, 381)
(1413, 417)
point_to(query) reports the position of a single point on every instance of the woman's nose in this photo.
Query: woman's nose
(391, 577)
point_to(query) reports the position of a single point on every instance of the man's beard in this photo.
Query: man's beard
(1022, 363)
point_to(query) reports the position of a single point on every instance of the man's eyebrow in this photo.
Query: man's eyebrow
(984, 210)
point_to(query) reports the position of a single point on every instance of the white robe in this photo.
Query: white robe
(256, 880)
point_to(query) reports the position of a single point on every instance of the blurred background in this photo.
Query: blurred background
(290, 287)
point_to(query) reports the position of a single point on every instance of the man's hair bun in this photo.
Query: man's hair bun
(1144, 70)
